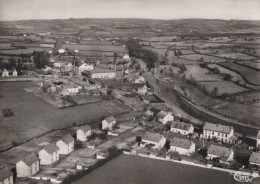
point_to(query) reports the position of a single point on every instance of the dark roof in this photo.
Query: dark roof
(217, 128)
(30, 159)
(51, 148)
(85, 128)
(154, 137)
(181, 143)
(110, 119)
(67, 139)
(180, 125)
(255, 158)
(5, 173)
(219, 151)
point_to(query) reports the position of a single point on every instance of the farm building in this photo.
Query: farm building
(28, 166)
(108, 123)
(181, 127)
(6, 176)
(81, 66)
(164, 117)
(254, 159)
(65, 144)
(100, 74)
(83, 133)
(223, 154)
(219, 132)
(142, 90)
(182, 146)
(154, 139)
(49, 154)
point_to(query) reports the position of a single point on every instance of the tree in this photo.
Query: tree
(41, 59)
(7, 112)
(214, 92)
(179, 52)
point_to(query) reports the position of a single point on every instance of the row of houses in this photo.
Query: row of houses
(7, 73)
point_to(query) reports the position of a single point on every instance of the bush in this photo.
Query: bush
(7, 112)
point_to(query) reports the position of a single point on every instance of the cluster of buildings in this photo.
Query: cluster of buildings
(7, 73)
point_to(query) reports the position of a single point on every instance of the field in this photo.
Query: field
(173, 59)
(238, 56)
(107, 48)
(31, 111)
(198, 57)
(22, 51)
(224, 87)
(137, 170)
(252, 76)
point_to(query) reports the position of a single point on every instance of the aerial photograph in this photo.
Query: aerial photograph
(129, 91)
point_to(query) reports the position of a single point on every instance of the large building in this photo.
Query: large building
(181, 127)
(100, 74)
(218, 132)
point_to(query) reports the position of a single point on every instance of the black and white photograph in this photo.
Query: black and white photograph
(129, 91)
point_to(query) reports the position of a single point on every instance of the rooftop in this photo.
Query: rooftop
(51, 148)
(217, 128)
(85, 128)
(153, 137)
(255, 158)
(67, 139)
(5, 173)
(30, 159)
(180, 125)
(110, 119)
(219, 151)
(181, 143)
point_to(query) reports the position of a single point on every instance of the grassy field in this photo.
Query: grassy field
(22, 51)
(238, 56)
(197, 57)
(33, 116)
(173, 59)
(251, 75)
(224, 87)
(108, 48)
(137, 170)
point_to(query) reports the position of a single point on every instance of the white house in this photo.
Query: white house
(70, 90)
(223, 154)
(81, 66)
(164, 117)
(258, 139)
(255, 159)
(126, 56)
(6, 176)
(5, 73)
(14, 72)
(181, 127)
(139, 80)
(61, 51)
(83, 133)
(219, 132)
(66, 145)
(100, 74)
(154, 139)
(142, 90)
(49, 154)
(108, 123)
(182, 146)
(58, 64)
(28, 166)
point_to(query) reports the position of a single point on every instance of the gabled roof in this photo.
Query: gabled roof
(5, 173)
(67, 139)
(180, 125)
(30, 159)
(51, 148)
(181, 143)
(110, 119)
(219, 151)
(162, 114)
(85, 128)
(153, 137)
(217, 128)
(79, 63)
(255, 158)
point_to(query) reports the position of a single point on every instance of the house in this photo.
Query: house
(47, 69)
(219, 132)
(70, 90)
(65, 144)
(154, 139)
(181, 127)
(258, 139)
(223, 154)
(58, 64)
(142, 90)
(100, 74)
(5, 73)
(108, 123)
(254, 159)
(68, 66)
(6, 176)
(164, 117)
(83, 133)
(139, 80)
(126, 56)
(49, 154)
(14, 72)
(61, 51)
(28, 166)
(182, 146)
(81, 66)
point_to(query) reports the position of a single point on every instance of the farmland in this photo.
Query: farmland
(138, 170)
(31, 111)
(103, 48)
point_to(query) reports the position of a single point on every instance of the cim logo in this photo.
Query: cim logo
(242, 177)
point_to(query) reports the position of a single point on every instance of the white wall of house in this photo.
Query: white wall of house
(183, 151)
(207, 134)
(5, 73)
(157, 145)
(257, 142)
(108, 126)
(65, 148)
(252, 163)
(168, 117)
(83, 136)
(230, 158)
(9, 180)
(183, 132)
(103, 75)
(46, 158)
(27, 171)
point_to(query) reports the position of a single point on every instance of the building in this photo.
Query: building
(126, 56)
(142, 90)
(81, 66)
(182, 146)
(14, 73)
(108, 123)
(68, 66)
(5, 73)
(220, 153)
(70, 90)
(181, 128)
(254, 159)
(83, 133)
(139, 80)
(6, 176)
(58, 64)
(100, 74)
(154, 139)
(49, 154)
(28, 166)
(65, 144)
(61, 51)
(219, 132)
(258, 139)
(164, 117)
